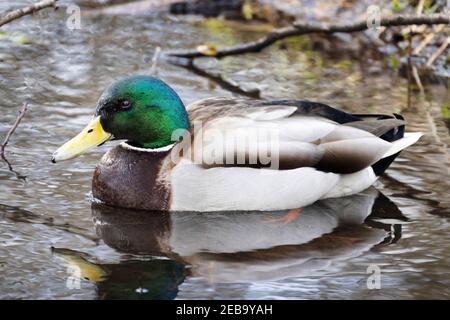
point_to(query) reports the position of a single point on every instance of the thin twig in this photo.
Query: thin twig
(415, 74)
(155, 59)
(8, 136)
(10, 168)
(419, 8)
(408, 71)
(438, 52)
(16, 14)
(427, 40)
(13, 128)
(306, 28)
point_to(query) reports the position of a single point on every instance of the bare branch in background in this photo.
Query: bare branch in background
(438, 52)
(428, 39)
(408, 71)
(18, 13)
(8, 136)
(155, 59)
(298, 29)
(416, 76)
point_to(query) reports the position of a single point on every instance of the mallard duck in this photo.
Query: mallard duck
(221, 154)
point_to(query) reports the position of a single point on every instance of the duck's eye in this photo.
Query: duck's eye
(125, 104)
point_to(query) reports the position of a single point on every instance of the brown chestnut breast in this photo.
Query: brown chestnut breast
(129, 178)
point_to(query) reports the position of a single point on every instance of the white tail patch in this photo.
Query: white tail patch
(409, 139)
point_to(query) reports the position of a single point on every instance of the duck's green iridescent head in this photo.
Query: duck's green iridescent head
(143, 110)
(140, 109)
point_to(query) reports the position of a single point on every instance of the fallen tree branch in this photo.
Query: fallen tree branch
(18, 13)
(10, 168)
(298, 29)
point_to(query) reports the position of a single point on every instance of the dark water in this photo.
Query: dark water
(50, 234)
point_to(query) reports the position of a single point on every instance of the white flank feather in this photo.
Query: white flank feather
(352, 183)
(195, 188)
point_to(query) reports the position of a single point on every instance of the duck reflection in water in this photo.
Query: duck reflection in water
(237, 247)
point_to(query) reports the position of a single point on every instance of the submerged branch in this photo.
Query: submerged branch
(297, 29)
(13, 128)
(218, 79)
(8, 136)
(18, 13)
(10, 168)
(17, 214)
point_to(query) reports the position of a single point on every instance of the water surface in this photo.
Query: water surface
(49, 228)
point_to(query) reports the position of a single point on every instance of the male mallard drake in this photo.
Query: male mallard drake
(230, 154)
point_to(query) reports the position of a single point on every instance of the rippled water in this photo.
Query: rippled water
(49, 231)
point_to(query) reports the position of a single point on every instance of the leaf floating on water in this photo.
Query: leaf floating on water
(394, 62)
(247, 11)
(207, 50)
(397, 6)
(20, 39)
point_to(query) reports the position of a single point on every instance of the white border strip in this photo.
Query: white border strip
(162, 149)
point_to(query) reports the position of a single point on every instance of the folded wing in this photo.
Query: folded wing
(288, 135)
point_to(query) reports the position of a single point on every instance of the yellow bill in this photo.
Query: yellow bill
(91, 136)
(79, 267)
